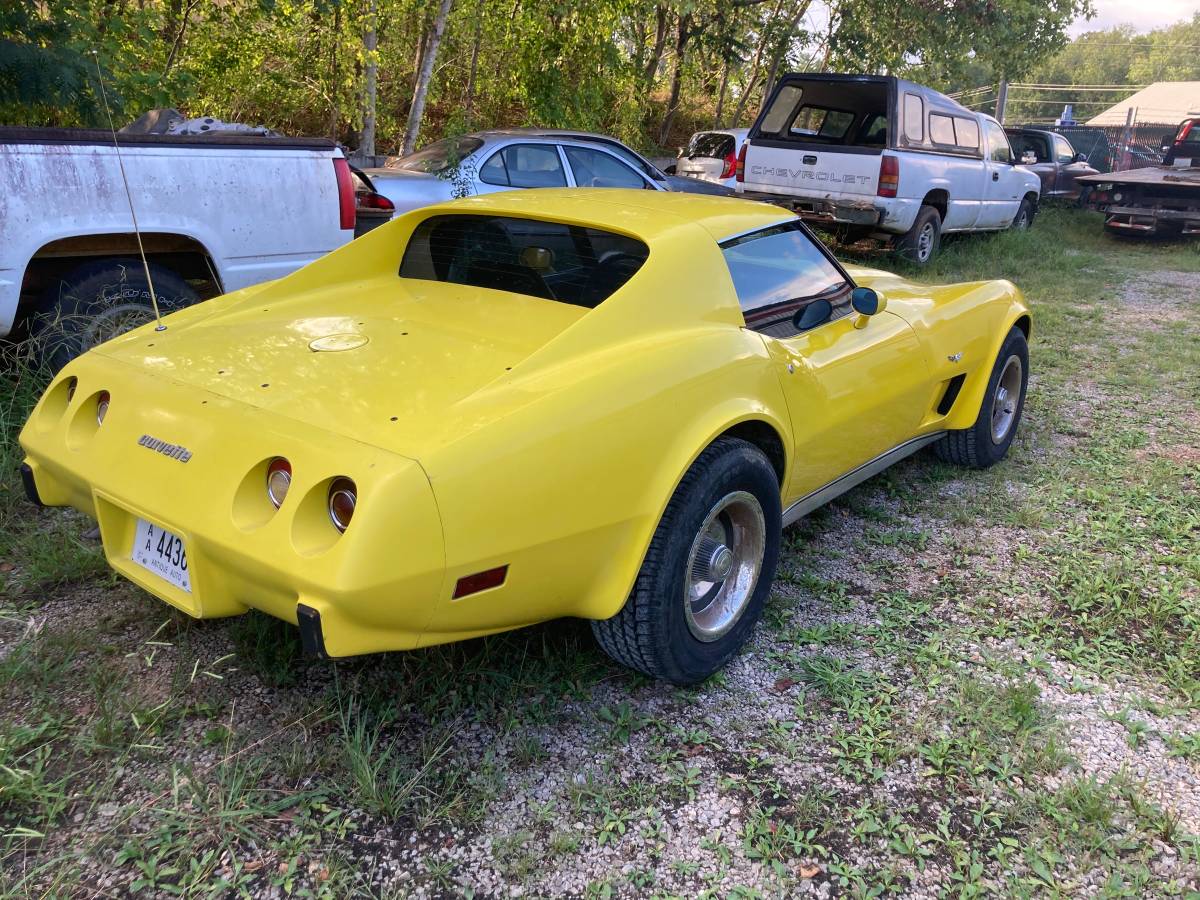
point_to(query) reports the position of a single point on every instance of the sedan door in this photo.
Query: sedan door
(521, 165)
(592, 167)
(855, 388)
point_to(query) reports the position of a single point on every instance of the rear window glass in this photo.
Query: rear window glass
(438, 156)
(567, 263)
(781, 109)
(819, 121)
(777, 265)
(711, 144)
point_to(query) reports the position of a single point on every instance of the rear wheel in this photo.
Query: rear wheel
(987, 441)
(922, 242)
(707, 572)
(100, 300)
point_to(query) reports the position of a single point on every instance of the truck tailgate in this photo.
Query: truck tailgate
(806, 172)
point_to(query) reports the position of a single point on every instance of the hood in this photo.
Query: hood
(384, 361)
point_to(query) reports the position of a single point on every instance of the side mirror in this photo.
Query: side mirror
(1079, 157)
(866, 302)
(816, 313)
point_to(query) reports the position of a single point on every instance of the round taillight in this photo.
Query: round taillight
(343, 497)
(279, 479)
(72, 383)
(101, 407)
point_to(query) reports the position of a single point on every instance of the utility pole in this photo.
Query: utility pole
(1001, 100)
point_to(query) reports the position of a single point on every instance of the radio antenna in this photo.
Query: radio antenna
(159, 326)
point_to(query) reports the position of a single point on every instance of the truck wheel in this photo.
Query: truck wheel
(922, 242)
(707, 572)
(1024, 217)
(99, 300)
(987, 441)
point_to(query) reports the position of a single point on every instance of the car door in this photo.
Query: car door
(854, 389)
(592, 167)
(1003, 185)
(521, 165)
(1068, 169)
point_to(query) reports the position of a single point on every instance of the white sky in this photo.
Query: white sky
(1144, 15)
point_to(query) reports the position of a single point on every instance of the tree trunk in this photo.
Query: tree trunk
(681, 39)
(737, 113)
(424, 76)
(660, 45)
(469, 104)
(366, 146)
(721, 94)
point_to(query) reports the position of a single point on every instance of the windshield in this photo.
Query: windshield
(711, 144)
(567, 263)
(438, 156)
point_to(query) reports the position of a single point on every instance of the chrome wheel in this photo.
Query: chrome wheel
(723, 565)
(1007, 400)
(925, 242)
(1022, 220)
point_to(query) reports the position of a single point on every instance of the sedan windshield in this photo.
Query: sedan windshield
(438, 156)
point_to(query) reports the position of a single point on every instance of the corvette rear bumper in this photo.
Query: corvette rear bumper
(370, 589)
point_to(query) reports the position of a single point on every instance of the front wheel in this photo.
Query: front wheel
(707, 573)
(1024, 217)
(987, 441)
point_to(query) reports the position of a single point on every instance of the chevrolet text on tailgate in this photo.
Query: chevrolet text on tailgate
(876, 157)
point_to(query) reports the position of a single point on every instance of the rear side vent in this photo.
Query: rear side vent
(952, 388)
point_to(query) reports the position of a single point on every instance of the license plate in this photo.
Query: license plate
(161, 552)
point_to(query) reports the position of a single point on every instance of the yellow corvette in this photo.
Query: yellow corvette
(512, 408)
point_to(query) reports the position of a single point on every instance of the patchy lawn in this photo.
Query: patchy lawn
(965, 683)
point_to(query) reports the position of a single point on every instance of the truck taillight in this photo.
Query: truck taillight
(1184, 131)
(345, 183)
(889, 176)
(728, 166)
(740, 167)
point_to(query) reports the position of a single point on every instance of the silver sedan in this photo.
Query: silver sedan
(490, 161)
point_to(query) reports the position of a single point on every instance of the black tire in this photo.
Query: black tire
(1083, 201)
(652, 632)
(977, 446)
(99, 300)
(1024, 217)
(920, 244)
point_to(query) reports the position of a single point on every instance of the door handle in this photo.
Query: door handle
(995, 176)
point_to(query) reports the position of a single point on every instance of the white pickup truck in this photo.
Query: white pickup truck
(216, 213)
(871, 156)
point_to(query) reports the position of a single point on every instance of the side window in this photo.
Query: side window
(779, 270)
(941, 129)
(525, 166)
(966, 133)
(998, 148)
(781, 109)
(1063, 151)
(914, 118)
(593, 168)
(494, 171)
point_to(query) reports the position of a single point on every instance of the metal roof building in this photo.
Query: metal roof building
(1163, 101)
